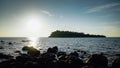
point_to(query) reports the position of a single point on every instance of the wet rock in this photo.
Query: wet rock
(116, 63)
(17, 51)
(5, 56)
(30, 64)
(10, 43)
(61, 54)
(83, 52)
(97, 61)
(73, 61)
(52, 50)
(48, 57)
(3, 42)
(118, 55)
(68, 47)
(7, 64)
(25, 40)
(75, 54)
(31, 51)
(1, 47)
(23, 58)
(25, 48)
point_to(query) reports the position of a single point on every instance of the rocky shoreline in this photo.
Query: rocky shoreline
(53, 58)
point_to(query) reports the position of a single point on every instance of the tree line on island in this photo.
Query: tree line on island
(59, 33)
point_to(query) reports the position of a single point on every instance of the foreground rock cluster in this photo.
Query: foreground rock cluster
(52, 58)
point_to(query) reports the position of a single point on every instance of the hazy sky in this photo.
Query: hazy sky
(21, 18)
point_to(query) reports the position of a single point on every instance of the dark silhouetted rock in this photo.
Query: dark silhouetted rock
(98, 61)
(74, 54)
(118, 55)
(3, 42)
(17, 51)
(10, 43)
(61, 53)
(5, 56)
(25, 48)
(25, 40)
(31, 51)
(1, 47)
(52, 50)
(116, 63)
(7, 64)
(74, 61)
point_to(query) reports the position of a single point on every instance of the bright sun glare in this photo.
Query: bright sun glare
(33, 25)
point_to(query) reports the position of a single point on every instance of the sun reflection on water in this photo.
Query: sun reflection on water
(33, 41)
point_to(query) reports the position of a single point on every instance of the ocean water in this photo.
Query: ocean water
(108, 46)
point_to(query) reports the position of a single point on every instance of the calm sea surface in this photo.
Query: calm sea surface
(109, 46)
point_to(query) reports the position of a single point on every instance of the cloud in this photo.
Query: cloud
(47, 12)
(102, 7)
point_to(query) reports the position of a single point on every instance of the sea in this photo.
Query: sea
(109, 46)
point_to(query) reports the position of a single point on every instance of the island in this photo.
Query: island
(69, 34)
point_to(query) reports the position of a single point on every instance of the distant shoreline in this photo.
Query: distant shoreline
(70, 34)
(61, 37)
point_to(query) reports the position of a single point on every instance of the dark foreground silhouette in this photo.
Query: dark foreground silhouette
(58, 33)
(52, 58)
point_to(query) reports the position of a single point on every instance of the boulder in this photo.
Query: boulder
(52, 50)
(31, 51)
(74, 54)
(98, 61)
(116, 63)
(4, 56)
(1, 47)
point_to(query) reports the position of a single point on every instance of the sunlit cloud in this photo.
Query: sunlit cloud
(102, 7)
(47, 12)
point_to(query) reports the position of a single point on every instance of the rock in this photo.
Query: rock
(25, 48)
(74, 61)
(83, 52)
(55, 49)
(116, 63)
(98, 61)
(5, 56)
(118, 55)
(49, 50)
(17, 51)
(49, 57)
(25, 40)
(31, 51)
(61, 54)
(75, 54)
(23, 58)
(7, 64)
(10, 43)
(52, 50)
(1, 47)
(2, 41)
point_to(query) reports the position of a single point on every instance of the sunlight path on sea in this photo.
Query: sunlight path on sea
(34, 41)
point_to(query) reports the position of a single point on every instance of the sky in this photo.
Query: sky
(38, 18)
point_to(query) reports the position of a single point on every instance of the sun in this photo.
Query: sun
(34, 25)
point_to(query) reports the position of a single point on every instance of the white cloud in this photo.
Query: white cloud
(102, 7)
(46, 12)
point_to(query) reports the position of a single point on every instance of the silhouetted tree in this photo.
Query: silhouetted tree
(59, 33)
